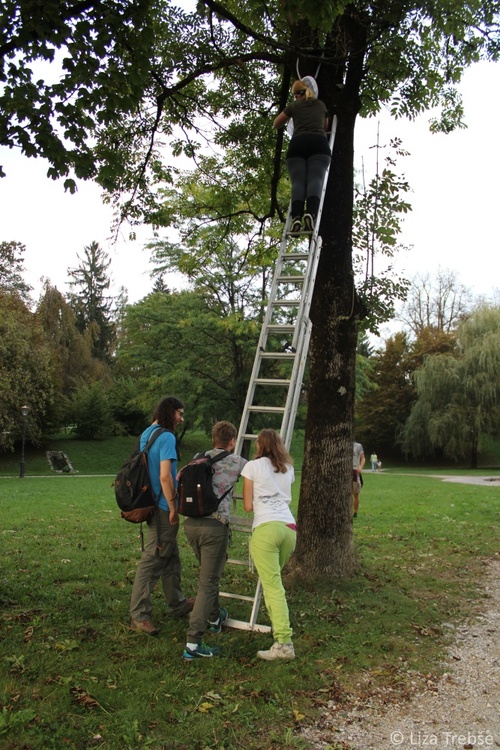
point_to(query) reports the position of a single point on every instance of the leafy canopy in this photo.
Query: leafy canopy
(101, 88)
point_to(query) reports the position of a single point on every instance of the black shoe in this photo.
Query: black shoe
(308, 223)
(296, 227)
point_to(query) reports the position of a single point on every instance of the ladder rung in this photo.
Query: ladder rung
(271, 381)
(242, 597)
(290, 279)
(296, 256)
(241, 625)
(302, 233)
(285, 303)
(239, 562)
(276, 328)
(268, 409)
(277, 355)
(241, 520)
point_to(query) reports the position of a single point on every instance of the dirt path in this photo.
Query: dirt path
(460, 710)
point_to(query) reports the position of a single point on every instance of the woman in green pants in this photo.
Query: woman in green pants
(267, 484)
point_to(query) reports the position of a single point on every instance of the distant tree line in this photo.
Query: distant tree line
(433, 389)
(96, 365)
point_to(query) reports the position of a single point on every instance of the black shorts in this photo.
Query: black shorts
(304, 146)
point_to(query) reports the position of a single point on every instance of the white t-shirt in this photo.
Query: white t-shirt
(272, 493)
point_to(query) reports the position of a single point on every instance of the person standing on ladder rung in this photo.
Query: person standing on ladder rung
(308, 156)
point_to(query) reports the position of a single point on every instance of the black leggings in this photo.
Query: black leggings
(307, 161)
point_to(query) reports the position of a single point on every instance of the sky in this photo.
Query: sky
(454, 195)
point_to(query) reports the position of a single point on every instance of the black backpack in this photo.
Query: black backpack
(133, 491)
(195, 493)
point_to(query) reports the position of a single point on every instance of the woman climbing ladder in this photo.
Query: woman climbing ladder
(308, 156)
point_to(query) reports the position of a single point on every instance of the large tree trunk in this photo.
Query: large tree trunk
(325, 546)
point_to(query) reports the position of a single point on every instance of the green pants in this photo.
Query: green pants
(271, 547)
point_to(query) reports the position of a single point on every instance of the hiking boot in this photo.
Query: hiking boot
(216, 627)
(284, 651)
(308, 223)
(188, 606)
(143, 626)
(296, 227)
(202, 650)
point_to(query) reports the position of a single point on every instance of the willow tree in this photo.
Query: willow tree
(219, 74)
(459, 394)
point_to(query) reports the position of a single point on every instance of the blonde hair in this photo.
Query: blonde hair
(270, 445)
(302, 86)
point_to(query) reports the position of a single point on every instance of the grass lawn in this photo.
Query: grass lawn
(72, 675)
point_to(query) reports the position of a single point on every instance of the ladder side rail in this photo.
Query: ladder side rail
(296, 377)
(294, 393)
(308, 287)
(331, 143)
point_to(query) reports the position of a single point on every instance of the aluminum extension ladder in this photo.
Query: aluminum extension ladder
(276, 381)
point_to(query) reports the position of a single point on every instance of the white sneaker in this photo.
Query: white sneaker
(284, 651)
(308, 223)
(296, 227)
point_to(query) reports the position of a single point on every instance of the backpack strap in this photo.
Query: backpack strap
(212, 460)
(146, 448)
(148, 445)
(153, 437)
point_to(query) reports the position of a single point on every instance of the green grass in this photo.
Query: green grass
(88, 456)
(72, 675)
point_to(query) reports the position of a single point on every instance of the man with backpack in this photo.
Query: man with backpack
(209, 540)
(160, 558)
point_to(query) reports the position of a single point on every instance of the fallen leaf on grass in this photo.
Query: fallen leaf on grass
(84, 699)
(68, 644)
(297, 716)
(213, 697)
(28, 634)
(205, 708)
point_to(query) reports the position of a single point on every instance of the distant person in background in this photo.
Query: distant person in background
(374, 461)
(358, 462)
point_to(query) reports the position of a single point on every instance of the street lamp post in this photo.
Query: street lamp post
(24, 412)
